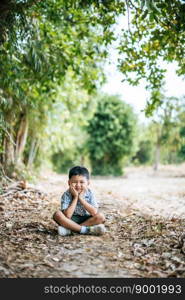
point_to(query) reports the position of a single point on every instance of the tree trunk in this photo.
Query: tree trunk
(33, 151)
(157, 157)
(21, 138)
(82, 160)
(9, 152)
(8, 144)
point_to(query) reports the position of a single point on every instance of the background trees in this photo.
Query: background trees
(111, 135)
(45, 44)
(161, 140)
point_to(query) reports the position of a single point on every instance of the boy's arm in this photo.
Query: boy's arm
(68, 212)
(91, 209)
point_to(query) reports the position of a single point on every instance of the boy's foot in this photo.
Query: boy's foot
(97, 229)
(64, 231)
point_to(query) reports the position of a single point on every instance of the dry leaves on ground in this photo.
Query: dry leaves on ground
(135, 245)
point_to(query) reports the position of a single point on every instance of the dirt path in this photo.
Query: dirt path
(145, 215)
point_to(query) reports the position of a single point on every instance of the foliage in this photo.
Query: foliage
(164, 131)
(63, 161)
(156, 33)
(111, 135)
(181, 149)
(74, 152)
(43, 44)
(61, 131)
(181, 152)
(66, 127)
(144, 154)
(163, 128)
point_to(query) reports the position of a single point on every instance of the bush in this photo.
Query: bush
(111, 136)
(63, 161)
(144, 154)
(181, 153)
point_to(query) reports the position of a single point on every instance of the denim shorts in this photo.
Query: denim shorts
(80, 219)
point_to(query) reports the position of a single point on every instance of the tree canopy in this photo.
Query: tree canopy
(44, 44)
(83, 29)
(156, 33)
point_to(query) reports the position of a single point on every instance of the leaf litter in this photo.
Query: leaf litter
(139, 242)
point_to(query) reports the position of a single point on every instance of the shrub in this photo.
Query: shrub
(111, 136)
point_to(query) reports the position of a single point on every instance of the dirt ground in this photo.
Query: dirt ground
(145, 218)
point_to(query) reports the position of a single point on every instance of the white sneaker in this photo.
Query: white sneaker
(63, 231)
(97, 229)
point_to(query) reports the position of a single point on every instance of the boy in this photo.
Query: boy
(79, 210)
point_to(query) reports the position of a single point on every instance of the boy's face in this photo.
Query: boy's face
(78, 182)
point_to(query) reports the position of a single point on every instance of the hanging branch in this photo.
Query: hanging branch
(128, 14)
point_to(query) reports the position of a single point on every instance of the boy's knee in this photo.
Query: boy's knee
(56, 215)
(100, 218)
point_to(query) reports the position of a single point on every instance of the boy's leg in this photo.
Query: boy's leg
(83, 228)
(62, 220)
(99, 218)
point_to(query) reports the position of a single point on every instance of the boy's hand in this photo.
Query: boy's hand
(81, 195)
(73, 192)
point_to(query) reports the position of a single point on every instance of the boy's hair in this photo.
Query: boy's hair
(79, 171)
